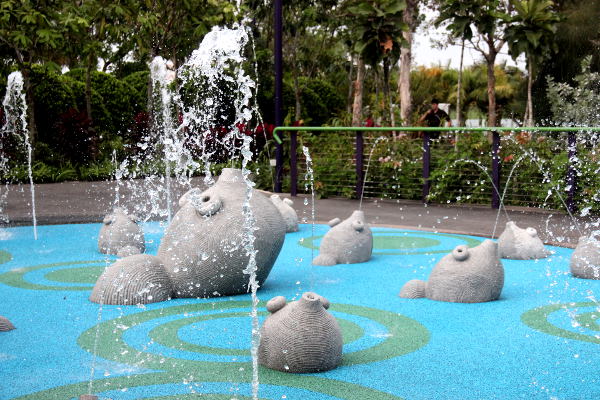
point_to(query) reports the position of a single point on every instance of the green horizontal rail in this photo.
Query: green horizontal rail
(431, 129)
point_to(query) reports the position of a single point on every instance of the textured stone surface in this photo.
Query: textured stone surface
(120, 230)
(585, 260)
(301, 336)
(287, 212)
(520, 244)
(347, 242)
(5, 324)
(203, 247)
(137, 279)
(464, 276)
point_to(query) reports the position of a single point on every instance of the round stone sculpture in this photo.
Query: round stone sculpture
(585, 260)
(466, 275)
(347, 242)
(120, 230)
(284, 206)
(5, 324)
(203, 249)
(137, 279)
(301, 336)
(520, 244)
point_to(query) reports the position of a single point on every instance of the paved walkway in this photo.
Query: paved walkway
(80, 202)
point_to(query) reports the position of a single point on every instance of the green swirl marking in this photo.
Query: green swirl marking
(330, 387)
(404, 335)
(76, 275)
(404, 241)
(5, 256)
(538, 319)
(166, 334)
(589, 320)
(16, 277)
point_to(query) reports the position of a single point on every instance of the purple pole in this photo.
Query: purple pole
(359, 164)
(572, 173)
(426, 164)
(496, 169)
(293, 163)
(278, 53)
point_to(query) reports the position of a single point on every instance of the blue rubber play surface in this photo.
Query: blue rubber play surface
(539, 341)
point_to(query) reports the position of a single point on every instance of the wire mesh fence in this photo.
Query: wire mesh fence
(533, 166)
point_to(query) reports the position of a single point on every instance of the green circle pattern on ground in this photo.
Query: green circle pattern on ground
(5, 256)
(167, 334)
(398, 242)
(405, 335)
(16, 277)
(75, 275)
(538, 319)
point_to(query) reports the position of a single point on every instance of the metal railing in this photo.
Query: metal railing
(359, 154)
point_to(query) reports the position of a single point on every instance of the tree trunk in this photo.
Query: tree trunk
(459, 116)
(350, 86)
(408, 16)
(529, 99)
(298, 98)
(358, 94)
(88, 87)
(386, 91)
(491, 88)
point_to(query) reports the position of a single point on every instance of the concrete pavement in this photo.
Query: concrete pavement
(82, 202)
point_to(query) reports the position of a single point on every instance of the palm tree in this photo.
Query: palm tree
(530, 32)
(377, 27)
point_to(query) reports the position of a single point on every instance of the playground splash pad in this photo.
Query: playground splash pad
(539, 340)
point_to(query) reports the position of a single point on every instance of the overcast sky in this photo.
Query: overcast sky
(427, 54)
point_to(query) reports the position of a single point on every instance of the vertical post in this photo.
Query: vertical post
(571, 172)
(426, 164)
(360, 177)
(496, 169)
(294, 163)
(278, 53)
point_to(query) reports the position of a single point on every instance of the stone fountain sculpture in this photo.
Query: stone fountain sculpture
(287, 212)
(301, 336)
(202, 253)
(137, 279)
(120, 234)
(203, 247)
(347, 242)
(585, 260)
(466, 275)
(520, 244)
(5, 324)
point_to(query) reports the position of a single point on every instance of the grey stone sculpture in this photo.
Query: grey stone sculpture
(301, 336)
(585, 260)
(347, 242)
(137, 279)
(520, 244)
(203, 249)
(120, 233)
(5, 324)
(466, 275)
(284, 206)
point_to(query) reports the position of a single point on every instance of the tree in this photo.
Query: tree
(409, 17)
(377, 28)
(97, 25)
(486, 16)
(33, 32)
(459, 16)
(530, 31)
(576, 104)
